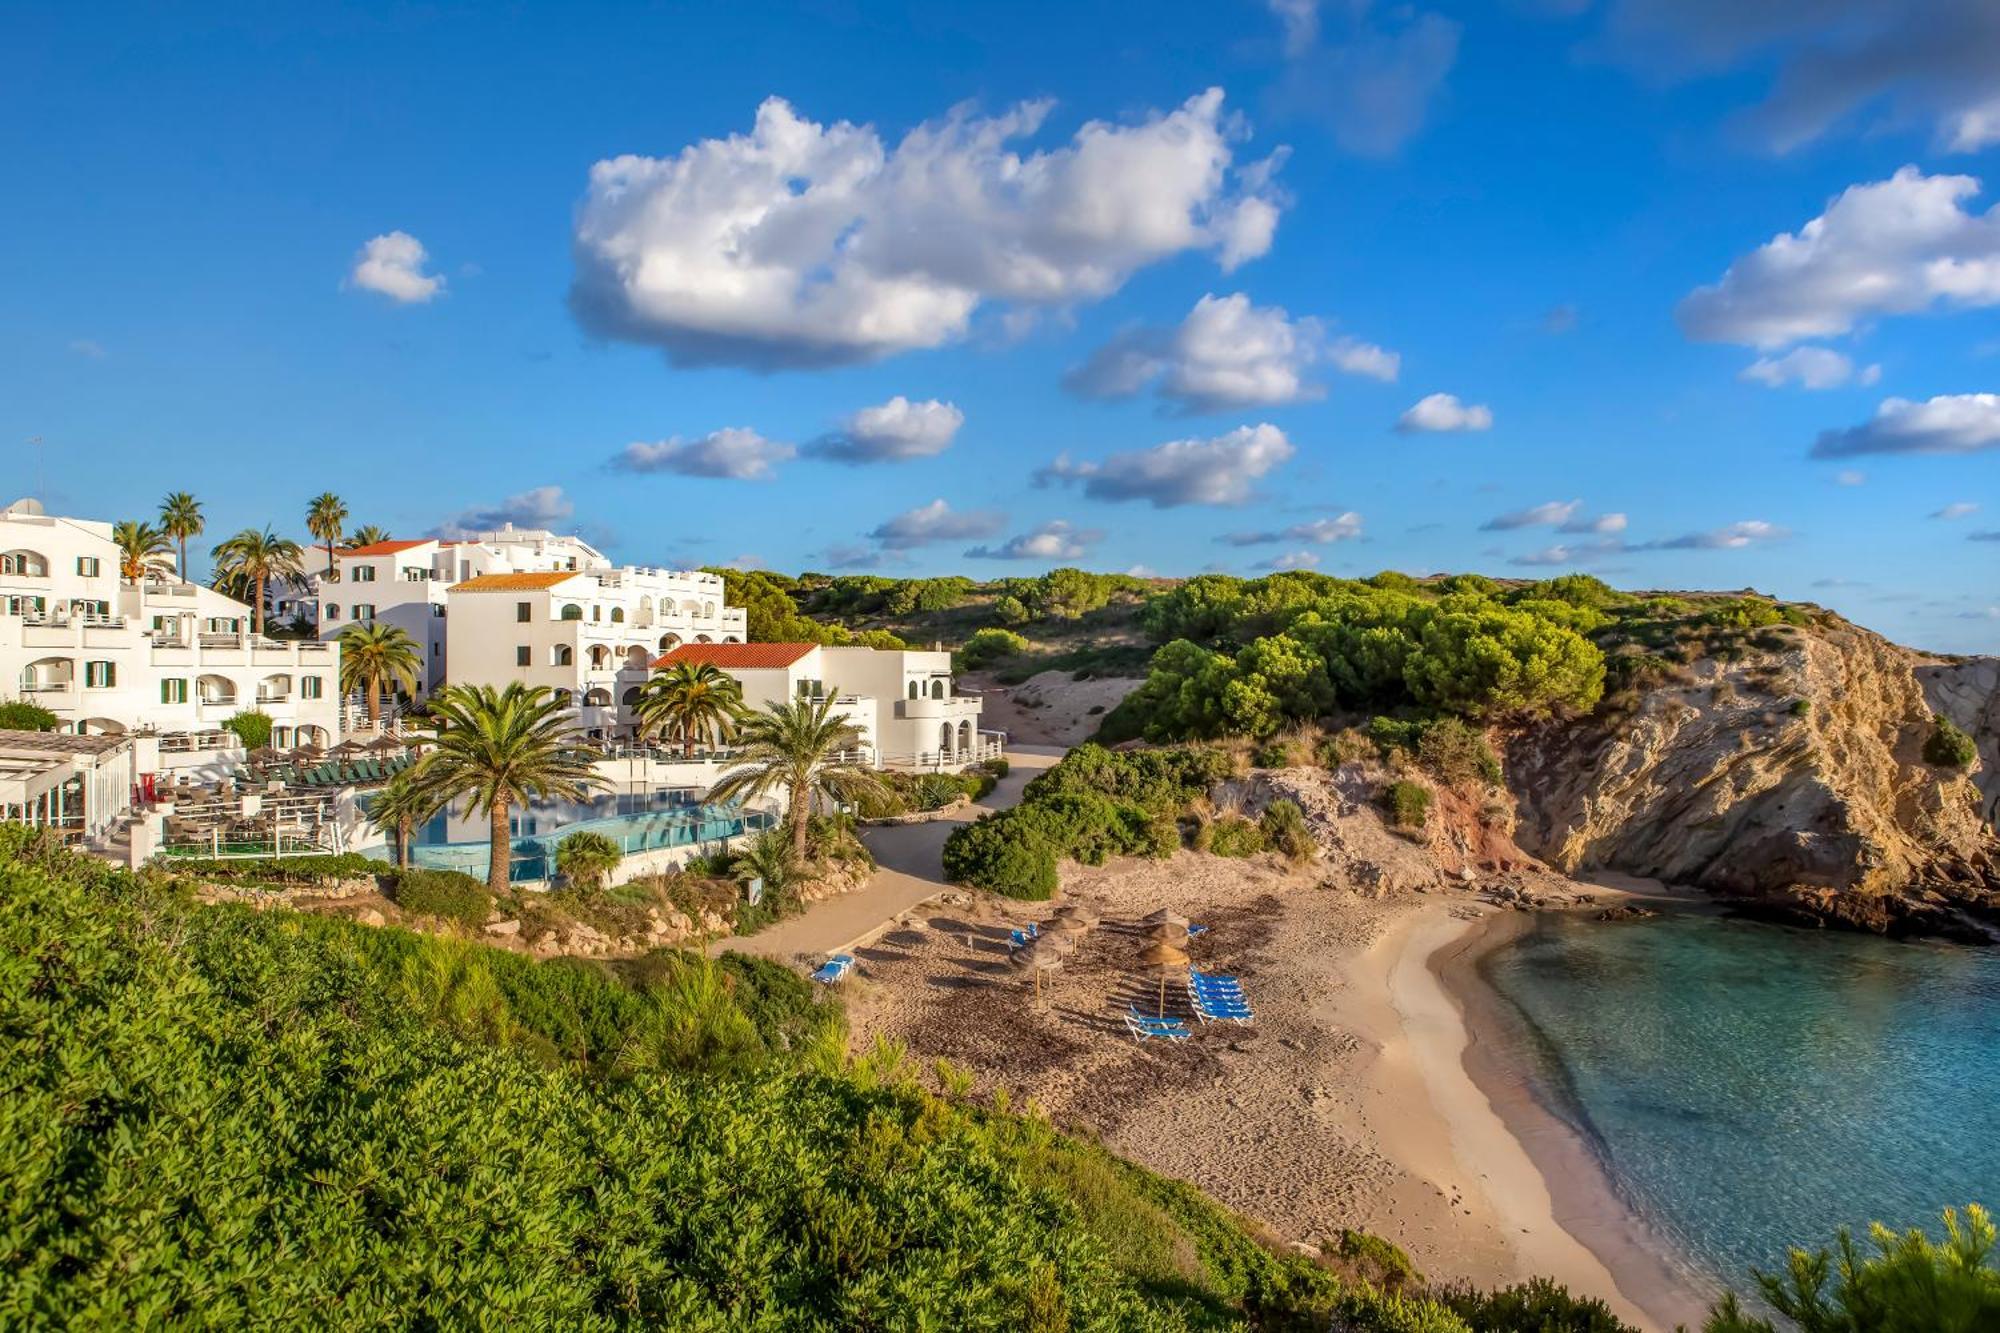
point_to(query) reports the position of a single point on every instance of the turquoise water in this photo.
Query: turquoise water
(1751, 1087)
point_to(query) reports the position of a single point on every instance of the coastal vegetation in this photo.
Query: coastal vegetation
(375, 658)
(693, 702)
(251, 726)
(25, 715)
(804, 748)
(246, 563)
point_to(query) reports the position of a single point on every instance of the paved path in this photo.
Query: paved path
(910, 861)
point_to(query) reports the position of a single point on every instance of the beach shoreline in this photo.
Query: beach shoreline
(1575, 1193)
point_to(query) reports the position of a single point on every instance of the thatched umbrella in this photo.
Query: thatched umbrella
(1164, 933)
(1041, 955)
(1162, 958)
(1076, 912)
(386, 745)
(1163, 917)
(307, 751)
(1066, 925)
(263, 754)
(349, 748)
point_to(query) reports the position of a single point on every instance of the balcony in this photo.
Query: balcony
(952, 706)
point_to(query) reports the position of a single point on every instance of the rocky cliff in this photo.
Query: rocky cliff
(1786, 773)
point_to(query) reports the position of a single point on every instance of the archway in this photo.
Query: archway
(965, 737)
(669, 642)
(564, 655)
(944, 740)
(215, 689)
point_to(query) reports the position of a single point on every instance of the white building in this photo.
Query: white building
(904, 703)
(106, 656)
(576, 622)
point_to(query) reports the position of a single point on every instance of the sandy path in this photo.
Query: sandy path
(909, 859)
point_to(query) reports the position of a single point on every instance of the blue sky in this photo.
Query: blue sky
(287, 249)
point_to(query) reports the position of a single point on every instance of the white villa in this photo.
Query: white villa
(162, 656)
(575, 622)
(904, 704)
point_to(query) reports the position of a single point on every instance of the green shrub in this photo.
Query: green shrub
(1346, 746)
(1378, 1262)
(23, 715)
(1949, 747)
(251, 726)
(1535, 1306)
(1457, 753)
(1284, 828)
(282, 871)
(1009, 610)
(1409, 803)
(1801, 708)
(586, 858)
(1232, 835)
(990, 645)
(447, 895)
(999, 768)
(935, 791)
(995, 855)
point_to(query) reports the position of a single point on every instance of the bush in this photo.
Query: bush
(1535, 1306)
(1010, 610)
(586, 858)
(1378, 1262)
(935, 791)
(990, 645)
(996, 856)
(1457, 753)
(1233, 835)
(284, 871)
(448, 895)
(22, 715)
(1409, 803)
(1949, 747)
(1284, 828)
(999, 768)
(251, 726)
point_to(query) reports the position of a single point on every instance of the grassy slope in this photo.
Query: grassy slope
(268, 1117)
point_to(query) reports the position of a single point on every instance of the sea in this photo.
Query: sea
(1750, 1087)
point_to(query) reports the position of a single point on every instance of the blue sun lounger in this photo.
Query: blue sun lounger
(1220, 1009)
(834, 969)
(1031, 931)
(1145, 1026)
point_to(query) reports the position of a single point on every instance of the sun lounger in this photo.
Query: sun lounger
(1144, 1027)
(1211, 1009)
(1194, 931)
(1031, 931)
(834, 969)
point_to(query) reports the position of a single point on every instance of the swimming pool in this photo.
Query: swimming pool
(637, 821)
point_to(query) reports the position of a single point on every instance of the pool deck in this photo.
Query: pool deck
(910, 870)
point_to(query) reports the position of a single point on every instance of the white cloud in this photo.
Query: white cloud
(1217, 471)
(1227, 353)
(1957, 509)
(1444, 412)
(1734, 537)
(1850, 477)
(1836, 61)
(542, 507)
(1562, 515)
(1056, 540)
(87, 347)
(1300, 559)
(895, 431)
(1988, 536)
(1895, 247)
(393, 264)
(734, 453)
(1322, 531)
(937, 522)
(1571, 553)
(1370, 76)
(1809, 368)
(843, 555)
(804, 244)
(1953, 423)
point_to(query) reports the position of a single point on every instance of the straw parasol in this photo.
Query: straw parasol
(1162, 958)
(1164, 933)
(1043, 954)
(386, 745)
(1066, 925)
(1163, 917)
(307, 751)
(263, 754)
(1076, 912)
(350, 748)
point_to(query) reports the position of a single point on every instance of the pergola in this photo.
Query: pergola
(79, 784)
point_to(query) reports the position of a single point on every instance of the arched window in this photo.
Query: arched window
(563, 655)
(944, 739)
(914, 691)
(562, 698)
(28, 564)
(631, 696)
(617, 615)
(708, 610)
(669, 642)
(937, 689)
(599, 698)
(571, 611)
(600, 656)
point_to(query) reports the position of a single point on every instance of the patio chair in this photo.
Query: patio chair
(1217, 1009)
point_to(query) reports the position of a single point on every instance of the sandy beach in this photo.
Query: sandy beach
(1348, 1103)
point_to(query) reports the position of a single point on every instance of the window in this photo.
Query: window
(914, 689)
(364, 573)
(570, 611)
(563, 655)
(310, 687)
(437, 610)
(937, 689)
(100, 675)
(416, 574)
(617, 615)
(596, 611)
(333, 610)
(521, 656)
(91, 610)
(173, 690)
(25, 606)
(87, 565)
(437, 649)
(364, 610)
(524, 612)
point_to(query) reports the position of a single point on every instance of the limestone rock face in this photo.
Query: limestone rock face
(1967, 691)
(1793, 776)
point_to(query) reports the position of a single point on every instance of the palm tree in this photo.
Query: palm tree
(366, 535)
(251, 559)
(180, 519)
(142, 549)
(401, 805)
(768, 857)
(324, 517)
(696, 701)
(585, 858)
(375, 658)
(498, 749)
(800, 746)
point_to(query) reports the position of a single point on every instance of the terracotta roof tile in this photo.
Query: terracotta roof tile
(737, 656)
(383, 548)
(528, 582)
